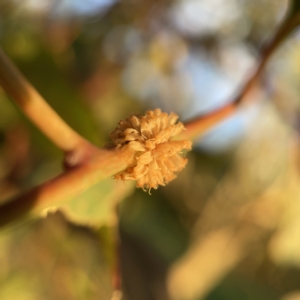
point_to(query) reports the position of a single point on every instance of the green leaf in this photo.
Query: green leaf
(96, 206)
(53, 259)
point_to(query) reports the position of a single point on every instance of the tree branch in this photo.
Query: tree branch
(41, 114)
(67, 185)
(203, 123)
(289, 24)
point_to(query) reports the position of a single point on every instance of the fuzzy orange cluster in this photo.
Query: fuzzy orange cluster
(157, 158)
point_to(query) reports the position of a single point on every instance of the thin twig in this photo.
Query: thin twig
(117, 267)
(284, 30)
(203, 123)
(37, 109)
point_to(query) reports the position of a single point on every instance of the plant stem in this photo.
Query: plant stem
(36, 108)
(291, 22)
(202, 123)
(66, 185)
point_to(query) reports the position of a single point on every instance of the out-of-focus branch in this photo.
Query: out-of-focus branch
(290, 22)
(40, 113)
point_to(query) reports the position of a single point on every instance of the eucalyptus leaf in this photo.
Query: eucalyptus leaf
(97, 205)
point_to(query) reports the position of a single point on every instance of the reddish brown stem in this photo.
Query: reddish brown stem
(41, 114)
(66, 185)
(201, 124)
(284, 30)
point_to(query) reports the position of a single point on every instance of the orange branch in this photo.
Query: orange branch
(200, 125)
(37, 109)
(289, 24)
(66, 185)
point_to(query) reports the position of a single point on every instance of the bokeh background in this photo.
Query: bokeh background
(228, 227)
